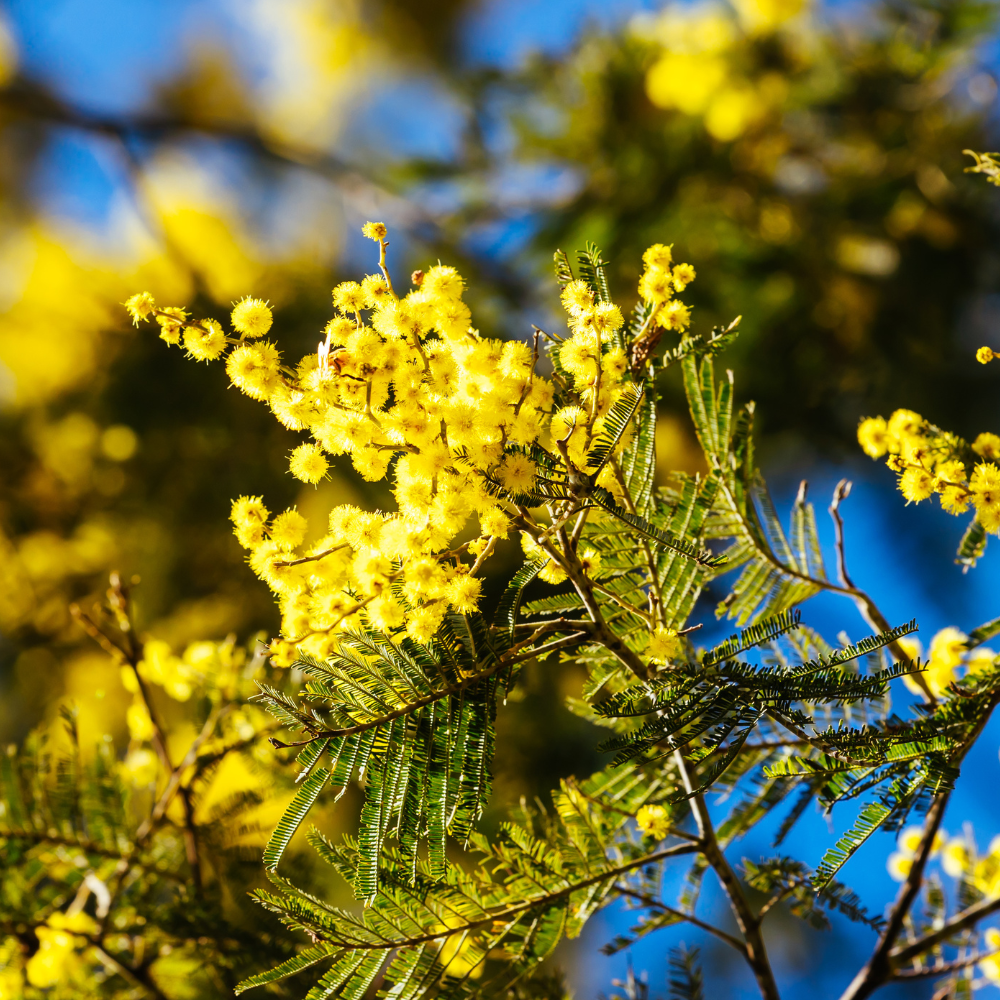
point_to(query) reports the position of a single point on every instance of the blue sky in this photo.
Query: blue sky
(108, 57)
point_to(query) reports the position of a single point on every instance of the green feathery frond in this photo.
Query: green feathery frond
(303, 800)
(592, 269)
(983, 634)
(764, 631)
(473, 931)
(563, 268)
(416, 722)
(686, 979)
(779, 571)
(510, 602)
(871, 819)
(638, 461)
(792, 881)
(615, 424)
(697, 553)
(972, 547)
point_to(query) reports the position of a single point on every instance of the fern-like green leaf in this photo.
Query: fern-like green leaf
(297, 810)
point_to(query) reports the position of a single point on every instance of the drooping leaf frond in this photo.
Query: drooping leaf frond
(416, 722)
(473, 931)
(615, 424)
(792, 881)
(764, 631)
(592, 269)
(686, 979)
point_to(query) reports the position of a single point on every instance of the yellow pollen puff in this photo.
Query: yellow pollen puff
(955, 857)
(251, 317)
(659, 256)
(289, 530)
(171, 321)
(654, 821)
(493, 521)
(898, 865)
(374, 230)
(375, 291)
(683, 275)
(873, 436)
(590, 562)
(349, 297)
(517, 473)
(253, 369)
(442, 282)
(577, 297)
(140, 306)
(985, 355)
(463, 593)
(308, 463)
(205, 341)
(987, 446)
(675, 316)
(904, 422)
(664, 645)
(656, 285)
(916, 484)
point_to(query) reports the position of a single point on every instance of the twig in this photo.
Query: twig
(142, 979)
(313, 558)
(967, 918)
(943, 968)
(865, 605)
(689, 917)
(819, 744)
(749, 925)
(878, 969)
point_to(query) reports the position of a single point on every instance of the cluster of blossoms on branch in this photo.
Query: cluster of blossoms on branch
(929, 460)
(408, 388)
(976, 874)
(947, 654)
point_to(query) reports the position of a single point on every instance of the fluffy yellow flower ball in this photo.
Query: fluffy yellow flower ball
(252, 317)
(308, 463)
(654, 821)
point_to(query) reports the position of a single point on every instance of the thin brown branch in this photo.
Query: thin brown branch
(565, 558)
(749, 925)
(879, 967)
(681, 915)
(943, 968)
(865, 604)
(967, 918)
(314, 557)
(140, 978)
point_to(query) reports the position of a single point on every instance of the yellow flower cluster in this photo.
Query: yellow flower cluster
(948, 652)
(409, 390)
(900, 862)
(929, 460)
(665, 644)
(701, 66)
(959, 859)
(60, 949)
(205, 667)
(654, 821)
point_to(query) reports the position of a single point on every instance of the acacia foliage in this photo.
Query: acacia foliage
(774, 716)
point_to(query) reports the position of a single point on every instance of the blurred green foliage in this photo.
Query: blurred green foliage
(812, 170)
